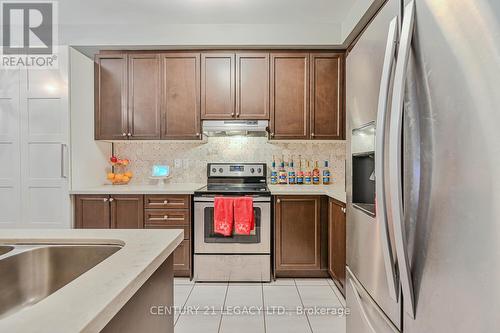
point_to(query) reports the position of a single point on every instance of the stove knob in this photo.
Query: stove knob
(220, 170)
(214, 170)
(259, 170)
(252, 170)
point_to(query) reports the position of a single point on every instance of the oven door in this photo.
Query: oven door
(206, 241)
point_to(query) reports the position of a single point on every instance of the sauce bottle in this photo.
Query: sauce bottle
(282, 176)
(326, 174)
(300, 174)
(316, 174)
(307, 174)
(291, 172)
(274, 173)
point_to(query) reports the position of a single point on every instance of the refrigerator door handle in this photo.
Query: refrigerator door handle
(380, 202)
(361, 307)
(395, 156)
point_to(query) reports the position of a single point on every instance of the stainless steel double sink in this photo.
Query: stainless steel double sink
(31, 272)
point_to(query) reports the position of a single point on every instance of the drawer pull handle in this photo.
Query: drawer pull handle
(165, 202)
(165, 218)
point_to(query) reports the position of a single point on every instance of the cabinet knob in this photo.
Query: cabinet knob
(232, 114)
(198, 134)
(278, 200)
(105, 199)
(312, 134)
(124, 134)
(111, 199)
(129, 134)
(343, 210)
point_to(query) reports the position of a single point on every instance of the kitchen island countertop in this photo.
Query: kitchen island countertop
(89, 302)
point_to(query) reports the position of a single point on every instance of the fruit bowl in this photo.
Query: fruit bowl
(119, 175)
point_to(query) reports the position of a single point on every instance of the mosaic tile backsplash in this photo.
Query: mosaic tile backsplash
(188, 160)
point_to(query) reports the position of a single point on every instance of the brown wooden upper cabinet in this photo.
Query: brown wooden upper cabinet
(252, 85)
(143, 96)
(326, 107)
(235, 85)
(127, 94)
(217, 86)
(180, 78)
(165, 95)
(111, 114)
(289, 96)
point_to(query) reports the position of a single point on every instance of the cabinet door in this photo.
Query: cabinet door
(217, 86)
(180, 96)
(289, 96)
(252, 85)
(298, 233)
(182, 259)
(337, 243)
(127, 211)
(111, 121)
(327, 111)
(92, 212)
(144, 96)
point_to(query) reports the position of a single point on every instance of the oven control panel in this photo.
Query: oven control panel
(236, 170)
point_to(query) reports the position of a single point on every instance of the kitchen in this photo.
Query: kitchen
(221, 166)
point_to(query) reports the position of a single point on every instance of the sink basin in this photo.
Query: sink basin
(5, 248)
(31, 273)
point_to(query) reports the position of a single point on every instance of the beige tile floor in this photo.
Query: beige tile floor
(275, 307)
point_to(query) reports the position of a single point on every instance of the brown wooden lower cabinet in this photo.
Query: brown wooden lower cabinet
(337, 243)
(137, 212)
(109, 211)
(300, 224)
(172, 212)
(92, 212)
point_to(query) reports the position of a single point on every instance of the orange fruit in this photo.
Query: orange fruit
(125, 179)
(118, 177)
(110, 175)
(129, 174)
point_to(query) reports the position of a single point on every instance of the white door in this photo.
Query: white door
(44, 111)
(10, 187)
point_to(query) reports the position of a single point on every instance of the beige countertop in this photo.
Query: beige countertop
(89, 302)
(181, 188)
(333, 191)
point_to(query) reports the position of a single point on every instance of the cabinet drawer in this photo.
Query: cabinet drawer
(167, 217)
(167, 201)
(186, 228)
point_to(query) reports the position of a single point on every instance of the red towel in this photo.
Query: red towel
(244, 221)
(223, 216)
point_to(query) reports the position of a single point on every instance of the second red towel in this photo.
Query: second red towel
(223, 216)
(244, 221)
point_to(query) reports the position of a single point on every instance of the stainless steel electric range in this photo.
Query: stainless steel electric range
(235, 257)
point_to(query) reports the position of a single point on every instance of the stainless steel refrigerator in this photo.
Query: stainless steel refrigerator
(423, 169)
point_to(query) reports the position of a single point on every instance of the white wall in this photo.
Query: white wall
(359, 14)
(89, 158)
(203, 34)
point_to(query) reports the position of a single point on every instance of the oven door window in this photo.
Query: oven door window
(212, 237)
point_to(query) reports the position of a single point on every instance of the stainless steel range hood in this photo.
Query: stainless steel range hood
(235, 127)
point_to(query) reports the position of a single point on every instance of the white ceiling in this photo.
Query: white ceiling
(203, 11)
